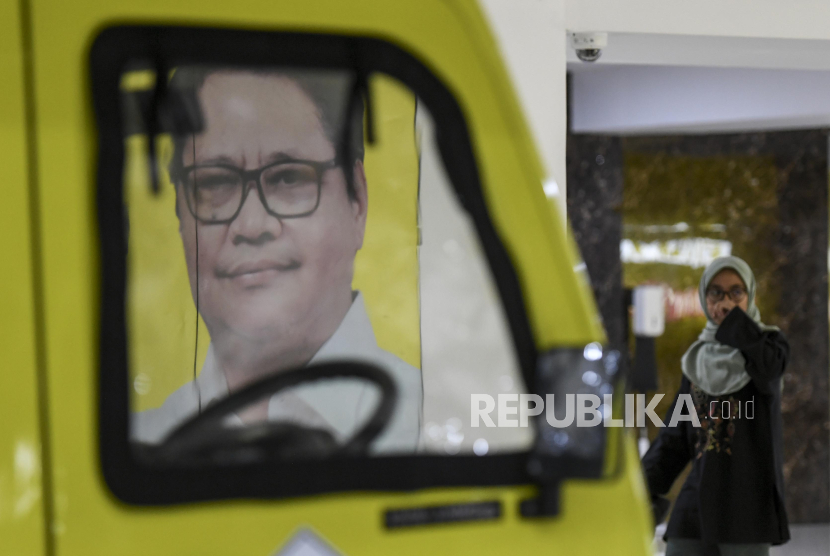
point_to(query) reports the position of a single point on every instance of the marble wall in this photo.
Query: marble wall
(595, 166)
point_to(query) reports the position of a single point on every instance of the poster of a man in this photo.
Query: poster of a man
(271, 216)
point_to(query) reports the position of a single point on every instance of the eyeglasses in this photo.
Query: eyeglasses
(736, 294)
(288, 189)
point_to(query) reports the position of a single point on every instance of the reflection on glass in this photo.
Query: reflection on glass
(465, 341)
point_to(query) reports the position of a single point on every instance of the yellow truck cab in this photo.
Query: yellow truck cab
(280, 278)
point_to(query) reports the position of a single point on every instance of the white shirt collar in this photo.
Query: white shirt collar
(353, 339)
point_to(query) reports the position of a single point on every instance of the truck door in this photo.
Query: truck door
(285, 248)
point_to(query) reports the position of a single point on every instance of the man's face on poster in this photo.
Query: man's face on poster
(263, 277)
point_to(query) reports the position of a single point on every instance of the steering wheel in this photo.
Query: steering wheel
(204, 438)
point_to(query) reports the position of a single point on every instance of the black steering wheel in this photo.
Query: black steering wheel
(205, 439)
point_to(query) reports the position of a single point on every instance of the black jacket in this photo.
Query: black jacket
(735, 490)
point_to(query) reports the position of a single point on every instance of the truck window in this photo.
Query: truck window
(303, 281)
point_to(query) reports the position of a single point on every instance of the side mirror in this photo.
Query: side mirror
(569, 448)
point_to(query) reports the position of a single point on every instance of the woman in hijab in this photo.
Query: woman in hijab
(732, 502)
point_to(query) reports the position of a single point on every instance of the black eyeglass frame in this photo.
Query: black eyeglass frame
(723, 293)
(255, 175)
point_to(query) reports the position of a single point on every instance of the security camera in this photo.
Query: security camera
(589, 46)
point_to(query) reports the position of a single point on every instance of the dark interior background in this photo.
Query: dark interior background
(764, 193)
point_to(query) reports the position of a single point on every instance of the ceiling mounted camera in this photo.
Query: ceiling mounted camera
(588, 46)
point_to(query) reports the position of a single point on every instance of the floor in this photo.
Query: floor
(807, 540)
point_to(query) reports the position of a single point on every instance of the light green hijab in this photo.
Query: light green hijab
(715, 368)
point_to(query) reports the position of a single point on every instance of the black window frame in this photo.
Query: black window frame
(137, 483)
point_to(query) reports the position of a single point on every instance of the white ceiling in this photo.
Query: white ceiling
(692, 84)
(708, 51)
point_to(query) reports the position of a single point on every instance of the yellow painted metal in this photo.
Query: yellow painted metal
(386, 267)
(452, 38)
(21, 506)
(159, 304)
